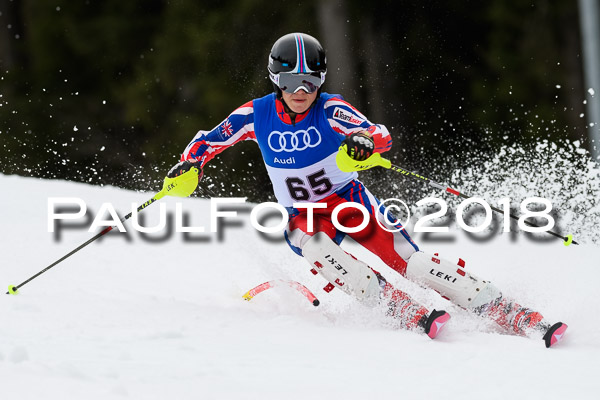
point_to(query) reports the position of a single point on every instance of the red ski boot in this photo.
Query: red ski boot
(554, 334)
(411, 314)
(435, 322)
(522, 320)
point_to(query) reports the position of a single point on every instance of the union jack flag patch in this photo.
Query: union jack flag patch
(226, 128)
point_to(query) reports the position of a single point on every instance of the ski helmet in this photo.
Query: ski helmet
(297, 61)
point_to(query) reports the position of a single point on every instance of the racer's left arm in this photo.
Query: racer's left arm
(346, 119)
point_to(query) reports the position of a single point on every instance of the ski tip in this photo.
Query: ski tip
(436, 321)
(316, 302)
(569, 240)
(12, 290)
(555, 334)
(247, 296)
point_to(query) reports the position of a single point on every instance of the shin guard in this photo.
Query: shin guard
(341, 269)
(451, 281)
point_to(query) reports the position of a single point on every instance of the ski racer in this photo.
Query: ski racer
(299, 130)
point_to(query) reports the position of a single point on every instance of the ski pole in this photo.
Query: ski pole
(181, 186)
(567, 239)
(14, 289)
(347, 164)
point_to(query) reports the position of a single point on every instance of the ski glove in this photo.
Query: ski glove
(359, 145)
(183, 167)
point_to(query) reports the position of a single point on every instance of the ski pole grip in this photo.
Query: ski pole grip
(182, 185)
(347, 164)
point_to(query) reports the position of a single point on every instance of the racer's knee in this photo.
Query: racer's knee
(296, 240)
(298, 233)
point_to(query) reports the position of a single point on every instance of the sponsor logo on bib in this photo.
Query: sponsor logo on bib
(290, 160)
(294, 141)
(343, 115)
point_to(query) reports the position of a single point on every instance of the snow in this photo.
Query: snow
(126, 318)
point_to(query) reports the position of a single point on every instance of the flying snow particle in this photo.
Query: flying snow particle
(102, 148)
(591, 91)
(75, 128)
(558, 86)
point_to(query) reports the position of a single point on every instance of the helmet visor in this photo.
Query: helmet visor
(291, 83)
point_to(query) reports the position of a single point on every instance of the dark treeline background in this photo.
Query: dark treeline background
(110, 92)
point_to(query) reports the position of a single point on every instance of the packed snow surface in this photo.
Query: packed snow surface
(130, 318)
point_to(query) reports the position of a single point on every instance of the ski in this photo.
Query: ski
(281, 282)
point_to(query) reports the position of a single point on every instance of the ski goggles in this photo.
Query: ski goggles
(291, 83)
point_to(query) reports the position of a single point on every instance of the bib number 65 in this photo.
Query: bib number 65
(317, 182)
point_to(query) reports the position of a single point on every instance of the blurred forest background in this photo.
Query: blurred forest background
(111, 92)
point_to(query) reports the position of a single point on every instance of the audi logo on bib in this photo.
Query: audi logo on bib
(294, 141)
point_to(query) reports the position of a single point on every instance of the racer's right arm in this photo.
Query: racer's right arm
(237, 127)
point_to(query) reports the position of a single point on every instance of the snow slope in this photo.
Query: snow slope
(132, 319)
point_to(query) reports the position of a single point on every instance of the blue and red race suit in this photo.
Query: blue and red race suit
(300, 159)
